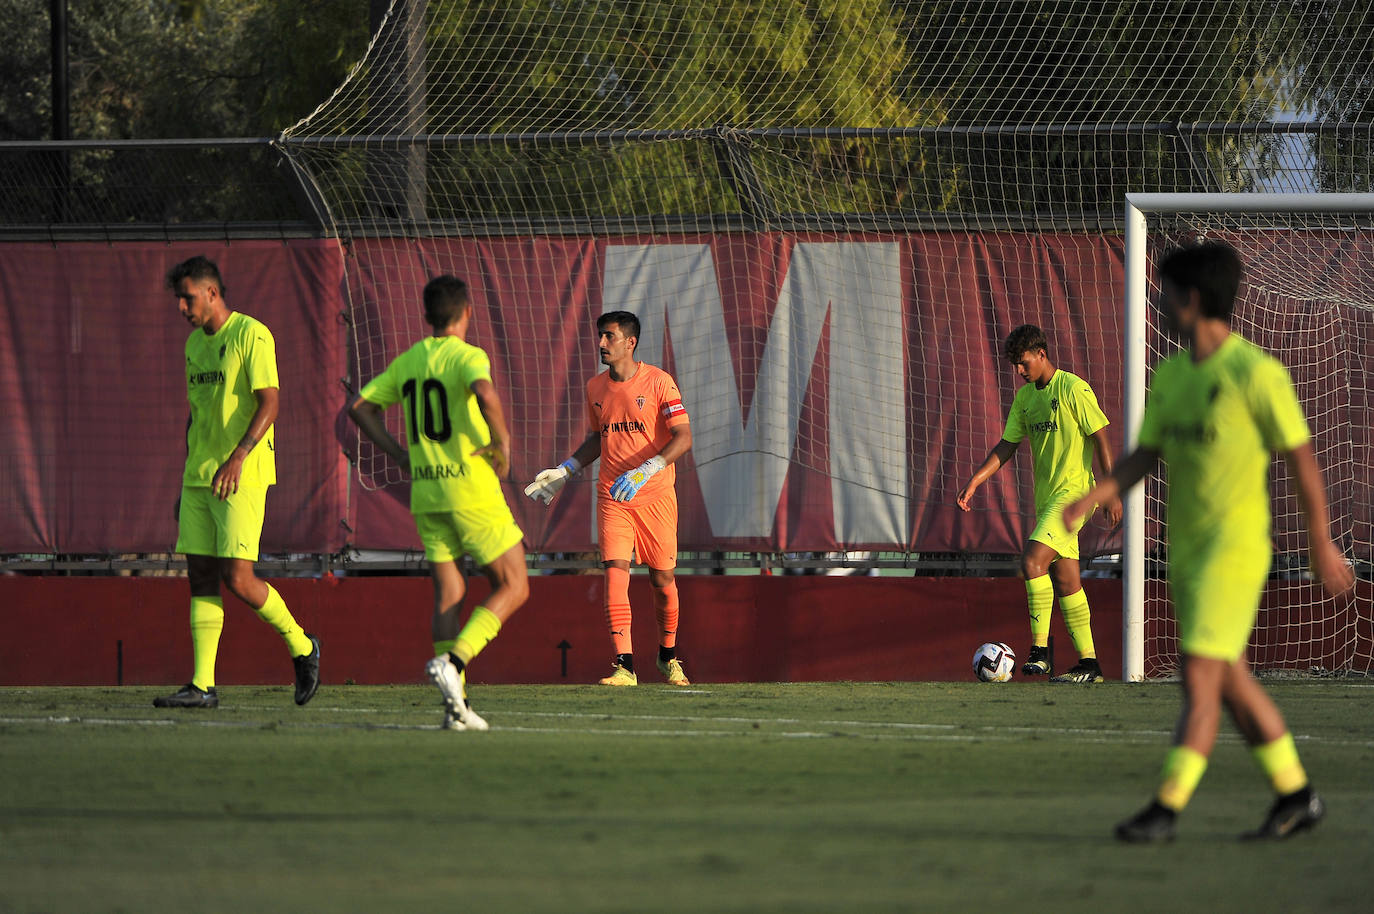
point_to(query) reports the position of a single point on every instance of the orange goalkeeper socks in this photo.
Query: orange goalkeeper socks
(665, 608)
(617, 603)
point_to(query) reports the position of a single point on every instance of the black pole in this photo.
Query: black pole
(61, 111)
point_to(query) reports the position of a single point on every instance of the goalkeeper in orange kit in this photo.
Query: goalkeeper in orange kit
(638, 426)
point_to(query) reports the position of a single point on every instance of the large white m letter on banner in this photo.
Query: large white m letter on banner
(742, 464)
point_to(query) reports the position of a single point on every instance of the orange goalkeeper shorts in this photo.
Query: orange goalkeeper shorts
(646, 533)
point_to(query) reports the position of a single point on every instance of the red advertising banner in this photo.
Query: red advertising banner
(93, 392)
(841, 391)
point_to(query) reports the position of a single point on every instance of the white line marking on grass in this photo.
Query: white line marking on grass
(904, 731)
(901, 725)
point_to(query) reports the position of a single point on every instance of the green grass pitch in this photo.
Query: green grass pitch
(740, 797)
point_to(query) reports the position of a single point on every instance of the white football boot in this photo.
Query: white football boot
(458, 714)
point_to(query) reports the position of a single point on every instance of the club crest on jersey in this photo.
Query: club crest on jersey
(1054, 404)
(639, 402)
(221, 351)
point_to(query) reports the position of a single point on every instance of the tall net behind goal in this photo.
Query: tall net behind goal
(1308, 298)
(828, 215)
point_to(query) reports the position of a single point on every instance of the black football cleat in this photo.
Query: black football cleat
(1085, 670)
(1154, 823)
(189, 696)
(1290, 814)
(307, 671)
(1037, 662)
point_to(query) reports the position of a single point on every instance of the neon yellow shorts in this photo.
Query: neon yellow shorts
(228, 529)
(483, 532)
(1216, 601)
(1050, 529)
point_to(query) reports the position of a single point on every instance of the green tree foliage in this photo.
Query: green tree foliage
(165, 69)
(151, 69)
(1008, 109)
(703, 72)
(1336, 85)
(1058, 106)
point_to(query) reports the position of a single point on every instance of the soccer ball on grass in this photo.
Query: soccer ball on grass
(994, 662)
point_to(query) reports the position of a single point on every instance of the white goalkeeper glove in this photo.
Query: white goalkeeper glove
(625, 487)
(550, 482)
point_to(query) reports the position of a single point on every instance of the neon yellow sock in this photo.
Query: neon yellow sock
(443, 647)
(1040, 597)
(275, 614)
(481, 628)
(1183, 769)
(1279, 760)
(1078, 620)
(207, 621)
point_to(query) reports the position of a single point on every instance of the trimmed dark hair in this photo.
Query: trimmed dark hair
(446, 300)
(628, 323)
(1025, 338)
(1213, 268)
(199, 268)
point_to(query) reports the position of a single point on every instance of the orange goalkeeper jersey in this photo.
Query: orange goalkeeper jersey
(633, 418)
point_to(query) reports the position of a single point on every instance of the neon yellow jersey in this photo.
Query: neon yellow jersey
(1058, 419)
(222, 371)
(443, 423)
(1215, 424)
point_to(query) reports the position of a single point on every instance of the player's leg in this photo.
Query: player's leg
(1073, 604)
(616, 600)
(1057, 558)
(1216, 598)
(445, 669)
(656, 545)
(666, 611)
(239, 522)
(1194, 736)
(1296, 806)
(510, 588)
(1035, 567)
(490, 535)
(443, 547)
(196, 540)
(449, 590)
(616, 532)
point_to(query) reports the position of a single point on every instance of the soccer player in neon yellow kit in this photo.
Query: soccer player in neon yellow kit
(1058, 412)
(1215, 412)
(459, 449)
(232, 388)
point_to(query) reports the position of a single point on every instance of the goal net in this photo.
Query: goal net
(1308, 298)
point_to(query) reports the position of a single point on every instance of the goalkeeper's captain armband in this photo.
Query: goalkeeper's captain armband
(550, 482)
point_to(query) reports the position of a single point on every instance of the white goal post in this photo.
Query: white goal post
(1137, 357)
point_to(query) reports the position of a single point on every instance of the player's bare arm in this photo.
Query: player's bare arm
(498, 451)
(368, 417)
(679, 444)
(589, 449)
(1328, 564)
(1001, 454)
(1124, 475)
(1102, 455)
(226, 479)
